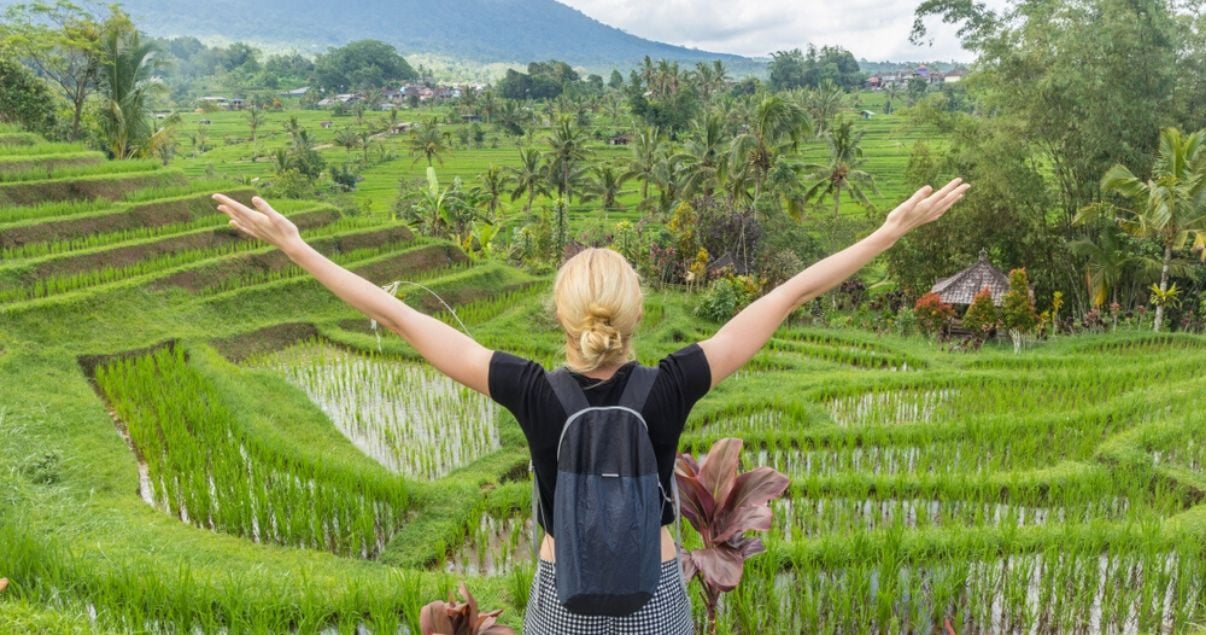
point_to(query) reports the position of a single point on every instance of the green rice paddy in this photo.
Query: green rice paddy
(199, 438)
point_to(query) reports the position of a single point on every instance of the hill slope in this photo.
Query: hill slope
(481, 30)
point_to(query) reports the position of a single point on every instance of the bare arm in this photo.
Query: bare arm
(451, 351)
(741, 338)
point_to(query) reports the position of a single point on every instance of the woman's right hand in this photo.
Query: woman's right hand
(263, 222)
(923, 207)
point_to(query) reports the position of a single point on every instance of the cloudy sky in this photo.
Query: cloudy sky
(871, 29)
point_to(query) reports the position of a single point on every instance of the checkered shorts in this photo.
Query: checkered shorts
(668, 612)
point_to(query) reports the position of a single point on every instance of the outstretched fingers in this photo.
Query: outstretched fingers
(949, 199)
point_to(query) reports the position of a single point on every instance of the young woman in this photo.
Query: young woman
(598, 304)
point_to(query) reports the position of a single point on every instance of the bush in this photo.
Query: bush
(932, 314)
(1017, 309)
(725, 297)
(981, 317)
(24, 99)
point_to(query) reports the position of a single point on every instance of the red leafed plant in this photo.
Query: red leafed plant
(722, 504)
(456, 618)
(3, 583)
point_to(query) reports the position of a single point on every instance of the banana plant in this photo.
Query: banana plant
(722, 505)
(460, 618)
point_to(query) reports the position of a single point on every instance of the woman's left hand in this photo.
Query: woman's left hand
(262, 222)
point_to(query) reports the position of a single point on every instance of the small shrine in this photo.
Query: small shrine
(962, 287)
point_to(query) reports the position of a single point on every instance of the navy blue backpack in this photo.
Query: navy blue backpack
(607, 505)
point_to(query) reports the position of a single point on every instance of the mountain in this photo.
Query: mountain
(478, 30)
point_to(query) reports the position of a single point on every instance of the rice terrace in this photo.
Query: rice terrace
(998, 426)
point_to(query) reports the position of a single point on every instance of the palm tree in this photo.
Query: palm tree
(776, 126)
(892, 91)
(494, 183)
(1108, 262)
(347, 139)
(128, 83)
(567, 151)
(608, 185)
(1169, 207)
(255, 119)
(429, 141)
(823, 103)
(529, 177)
(703, 158)
(844, 171)
(646, 152)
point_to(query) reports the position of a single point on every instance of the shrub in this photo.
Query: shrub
(1017, 310)
(725, 297)
(932, 314)
(981, 316)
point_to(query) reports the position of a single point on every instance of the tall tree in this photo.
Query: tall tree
(493, 184)
(529, 176)
(647, 150)
(567, 153)
(428, 141)
(24, 99)
(359, 65)
(844, 172)
(63, 44)
(777, 126)
(128, 84)
(1170, 206)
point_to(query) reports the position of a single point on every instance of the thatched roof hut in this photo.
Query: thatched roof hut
(962, 287)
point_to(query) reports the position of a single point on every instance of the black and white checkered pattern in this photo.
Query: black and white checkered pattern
(668, 612)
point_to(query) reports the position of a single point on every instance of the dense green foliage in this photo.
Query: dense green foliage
(361, 65)
(24, 100)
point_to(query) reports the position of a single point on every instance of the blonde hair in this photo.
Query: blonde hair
(598, 299)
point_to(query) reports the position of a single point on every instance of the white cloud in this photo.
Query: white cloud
(871, 29)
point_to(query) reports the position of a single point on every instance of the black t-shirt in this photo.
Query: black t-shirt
(521, 386)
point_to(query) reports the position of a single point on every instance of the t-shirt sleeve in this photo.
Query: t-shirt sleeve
(516, 383)
(685, 379)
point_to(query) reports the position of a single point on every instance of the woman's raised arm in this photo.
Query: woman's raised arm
(739, 339)
(454, 353)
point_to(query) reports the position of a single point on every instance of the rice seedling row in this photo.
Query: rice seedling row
(205, 469)
(1063, 588)
(27, 282)
(408, 417)
(54, 170)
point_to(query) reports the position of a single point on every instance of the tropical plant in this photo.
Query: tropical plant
(529, 176)
(128, 83)
(1108, 262)
(460, 618)
(1017, 308)
(428, 141)
(607, 185)
(567, 153)
(722, 504)
(646, 153)
(437, 210)
(347, 139)
(493, 184)
(255, 119)
(1169, 207)
(844, 171)
(823, 103)
(775, 127)
(1170, 297)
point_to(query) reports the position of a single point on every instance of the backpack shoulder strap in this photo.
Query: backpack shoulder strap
(636, 391)
(568, 392)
